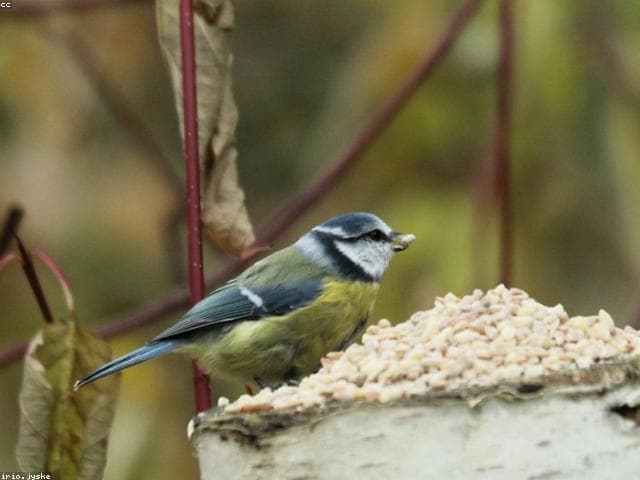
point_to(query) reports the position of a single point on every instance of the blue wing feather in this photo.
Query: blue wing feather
(229, 304)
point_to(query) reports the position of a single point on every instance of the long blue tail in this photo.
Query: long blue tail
(140, 355)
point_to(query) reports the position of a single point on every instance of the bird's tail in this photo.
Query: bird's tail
(152, 350)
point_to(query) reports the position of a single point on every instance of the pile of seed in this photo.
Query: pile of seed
(480, 340)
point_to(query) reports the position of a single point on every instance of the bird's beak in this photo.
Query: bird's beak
(400, 241)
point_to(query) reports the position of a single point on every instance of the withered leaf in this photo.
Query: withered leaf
(224, 212)
(61, 431)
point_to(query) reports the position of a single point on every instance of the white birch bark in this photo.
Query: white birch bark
(570, 431)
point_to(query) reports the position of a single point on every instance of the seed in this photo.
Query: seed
(584, 362)
(507, 333)
(481, 339)
(579, 322)
(533, 371)
(466, 336)
(491, 332)
(606, 319)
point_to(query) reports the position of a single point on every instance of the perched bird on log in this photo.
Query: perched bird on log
(273, 323)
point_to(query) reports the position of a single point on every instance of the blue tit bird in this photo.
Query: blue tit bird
(273, 323)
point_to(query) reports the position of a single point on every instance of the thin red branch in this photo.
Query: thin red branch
(297, 206)
(35, 8)
(10, 228)
(189, 97)
(194, 227)
(502, 140)
(34, 282)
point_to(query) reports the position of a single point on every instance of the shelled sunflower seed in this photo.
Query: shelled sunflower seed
(480, 340)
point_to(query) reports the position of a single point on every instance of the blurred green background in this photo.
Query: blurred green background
(308, 74)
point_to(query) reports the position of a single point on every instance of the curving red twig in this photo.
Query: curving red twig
(288, 215)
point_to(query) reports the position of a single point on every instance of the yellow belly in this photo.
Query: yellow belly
(279, 348)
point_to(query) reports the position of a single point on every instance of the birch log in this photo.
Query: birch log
(577, 425)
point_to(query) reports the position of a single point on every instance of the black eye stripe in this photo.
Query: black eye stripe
(377, 235)
(343, 264)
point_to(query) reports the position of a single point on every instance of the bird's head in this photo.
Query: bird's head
(357, 245)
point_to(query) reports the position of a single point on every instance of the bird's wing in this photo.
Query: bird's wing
(244, 299)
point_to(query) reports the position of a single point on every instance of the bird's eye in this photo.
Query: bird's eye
(376, 235)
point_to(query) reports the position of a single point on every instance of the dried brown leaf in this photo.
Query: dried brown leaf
(61, 431)
(224, 212)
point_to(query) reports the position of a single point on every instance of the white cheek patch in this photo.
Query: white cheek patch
(252, 296)
(372, 258)
(313, 250)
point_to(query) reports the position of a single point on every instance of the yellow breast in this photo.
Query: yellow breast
(279, 348)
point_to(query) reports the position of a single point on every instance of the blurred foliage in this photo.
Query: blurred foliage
(307, 75)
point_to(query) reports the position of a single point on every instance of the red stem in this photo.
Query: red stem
(502, 140)
(194, 230)
(287, 216)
